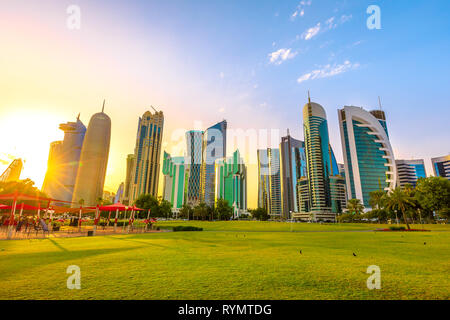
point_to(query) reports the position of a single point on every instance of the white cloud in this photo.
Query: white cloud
(328, 71)
(300, 11)
(279, 56)
(311, 32)
(345, 18)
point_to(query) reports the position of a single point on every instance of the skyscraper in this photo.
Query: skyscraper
(12, 173)
(409, 171)
(63, 162)
(293, 166)
(368, 156)
(214, 147)
(93, 160)
(231, 184)
(147, 153)
(269, 184)
(174, 171)
(194, 150)
(318, 157)
(441, 166)
(127, 185)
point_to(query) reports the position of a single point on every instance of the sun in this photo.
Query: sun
(26, 133)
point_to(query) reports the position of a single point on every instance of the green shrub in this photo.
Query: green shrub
(397, 228)
(186, 228)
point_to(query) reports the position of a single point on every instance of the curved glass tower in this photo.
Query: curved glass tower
(93, 161)
(368, 156)
(194, 141)
(319, 157)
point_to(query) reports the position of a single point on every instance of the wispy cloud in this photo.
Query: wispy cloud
(331, 23)
(300, 11)
(328, 71)
(311, 32)
(281, 55)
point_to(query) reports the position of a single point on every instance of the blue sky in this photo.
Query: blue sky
(208, 60)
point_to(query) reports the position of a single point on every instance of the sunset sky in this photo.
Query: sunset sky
(202, 61)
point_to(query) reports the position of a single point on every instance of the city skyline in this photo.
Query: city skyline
(57, 82)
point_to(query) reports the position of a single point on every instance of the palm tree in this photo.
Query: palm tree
(398, 200)
(355, 206)
(377, 199)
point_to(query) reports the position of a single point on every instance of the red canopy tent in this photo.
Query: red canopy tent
(114, 207)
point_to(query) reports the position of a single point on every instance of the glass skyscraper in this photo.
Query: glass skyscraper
(194, 155)
(441, 166)
(409, 171)
(145, 173)
(231, 182)
(63, 161)
(174, 170)
(214, 147)
(269, 184)
(368, 156)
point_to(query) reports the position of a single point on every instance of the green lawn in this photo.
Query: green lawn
(233, 260)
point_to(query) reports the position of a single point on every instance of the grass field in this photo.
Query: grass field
(233, 260)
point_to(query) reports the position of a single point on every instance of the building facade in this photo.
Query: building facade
(214, 148)
(93, 161)
(409, 171)
(128, 176)
(63, 162)
(293, 167)
(231, 183)
(147, 153)
(175, 177)
(12, 173)
(441, 166)
(368, 156)
(194, 160)
(269, 182)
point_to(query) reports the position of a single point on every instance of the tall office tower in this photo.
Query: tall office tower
(147, 153)
(63, 162)
(231, 182)
(174, 171)
(194, 150)
(293, 167)
(214, 147)
(269, 184)
(368, 156)
(93, 160)
(128, 176)
(319, 159)
(441, 166)
(12, 173)
(119, 193)
(409, 171)
(338, 193)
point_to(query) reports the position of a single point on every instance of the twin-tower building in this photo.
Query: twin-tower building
(77, 165)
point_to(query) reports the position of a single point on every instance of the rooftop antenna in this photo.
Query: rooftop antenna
(154, 109)
(309, 98)
(379, 103)
(103, 108)
(78, 118)
(288, 131)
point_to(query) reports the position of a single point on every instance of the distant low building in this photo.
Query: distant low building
(409, 171)
(441, 166)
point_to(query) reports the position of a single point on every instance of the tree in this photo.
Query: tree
(260, 214)
(147, 201)
(354, 206)
(201, 210)
(223, 210)
(433, 194)
(377, 199)
(399, 200)
(24, 187)
(165, 208)
(186, 211)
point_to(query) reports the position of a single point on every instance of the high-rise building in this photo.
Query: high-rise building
(231, 182)
(93, 160)
(293, 167)
(214, 147)
(12, 173)
(147, 153)
(269, 184)
(119, 193)
(175, 177)
(318, 157)
(409, 171)
(194, 160)
(368, 156)
(441, 166)
(63, 162)
(128, 176)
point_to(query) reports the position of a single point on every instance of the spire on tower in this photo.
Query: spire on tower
(379, 102)
(309, 97)
(103, 108)
(78, 118)
(288, 131)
